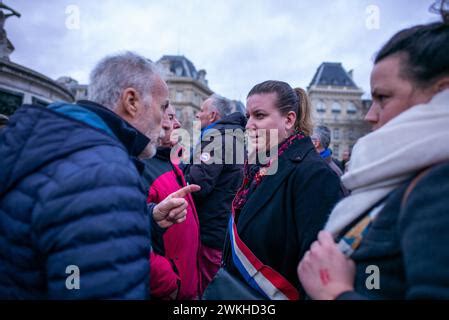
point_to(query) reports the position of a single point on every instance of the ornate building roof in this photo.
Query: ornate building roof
(332, 74)
(180, 66)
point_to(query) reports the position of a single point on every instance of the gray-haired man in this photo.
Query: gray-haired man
(321, 139)
(74, 221)
(218, 179)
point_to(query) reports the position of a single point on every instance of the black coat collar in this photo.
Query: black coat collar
(131, 138)
(264, 192)
(163, 153)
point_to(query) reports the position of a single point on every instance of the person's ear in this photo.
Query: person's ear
(440, 85)
(213, 116)
(130, 101)
(290, 120)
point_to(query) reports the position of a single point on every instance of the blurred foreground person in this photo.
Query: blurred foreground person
(391, 234)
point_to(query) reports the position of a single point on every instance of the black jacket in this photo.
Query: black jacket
(283, 216)
(219, 182)
(408, 244)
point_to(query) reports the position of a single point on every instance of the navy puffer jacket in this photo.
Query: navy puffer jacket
(70, 195)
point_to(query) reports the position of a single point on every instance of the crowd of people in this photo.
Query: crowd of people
(93, 187)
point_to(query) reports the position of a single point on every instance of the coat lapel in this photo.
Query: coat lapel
(263, 193)
(270, 184)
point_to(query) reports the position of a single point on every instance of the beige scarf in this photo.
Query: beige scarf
(385, 158)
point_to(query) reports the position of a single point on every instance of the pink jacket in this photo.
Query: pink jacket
(178, 265)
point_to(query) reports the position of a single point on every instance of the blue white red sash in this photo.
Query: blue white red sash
(260, 277)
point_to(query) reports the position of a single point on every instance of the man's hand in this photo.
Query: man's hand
(325, 272)
(173, 209)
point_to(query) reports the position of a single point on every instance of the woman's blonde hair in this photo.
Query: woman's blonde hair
(304, 115)
(289, 99)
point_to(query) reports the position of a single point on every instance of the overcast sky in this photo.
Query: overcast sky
(239, 43)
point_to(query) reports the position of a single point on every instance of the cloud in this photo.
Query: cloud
(239, 43)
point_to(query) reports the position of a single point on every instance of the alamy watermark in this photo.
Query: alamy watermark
(72, 21)
(72, 282)
(231, 146)
(372, 21)
(373, 280)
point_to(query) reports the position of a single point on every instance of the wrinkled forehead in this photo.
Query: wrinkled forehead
(159, 87)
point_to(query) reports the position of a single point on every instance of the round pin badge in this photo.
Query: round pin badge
(205, 157)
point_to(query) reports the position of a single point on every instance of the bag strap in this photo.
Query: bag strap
(354, 233)
(412, 185)
(352, 237)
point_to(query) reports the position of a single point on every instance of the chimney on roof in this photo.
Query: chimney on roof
(350, 74)
(202, 76)
(164, 67)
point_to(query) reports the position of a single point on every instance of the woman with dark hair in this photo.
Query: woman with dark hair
(388, 239)
(283, 201)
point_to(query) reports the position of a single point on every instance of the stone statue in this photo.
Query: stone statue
(6, 47)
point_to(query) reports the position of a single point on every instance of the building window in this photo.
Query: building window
(81, 94)
(197, 99)
(320, 107)
(178, 114)
(178, 96)
(39, 102)
(178, 71)
(352, 109)
(337, 133)
(336, 151)
(336, 107)
(351, 134)
(9, 101)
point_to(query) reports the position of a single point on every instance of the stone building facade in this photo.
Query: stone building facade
(79, 91)
(20, 85)
(188, 87)
(337, 103)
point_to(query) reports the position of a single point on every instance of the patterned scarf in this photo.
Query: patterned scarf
(255, 173)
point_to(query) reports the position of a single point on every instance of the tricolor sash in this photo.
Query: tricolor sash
(260, 277)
